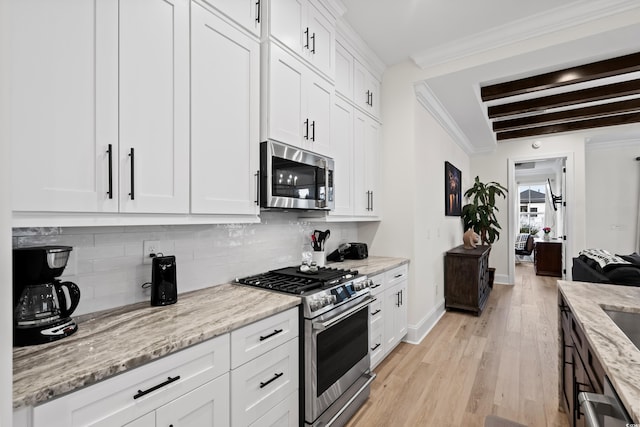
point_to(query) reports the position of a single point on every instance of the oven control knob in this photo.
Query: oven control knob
(362, 285)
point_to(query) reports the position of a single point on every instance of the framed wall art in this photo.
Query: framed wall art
(452, 190)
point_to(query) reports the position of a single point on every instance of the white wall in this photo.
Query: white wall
(414, 149)
(106, 262)
(612, 187)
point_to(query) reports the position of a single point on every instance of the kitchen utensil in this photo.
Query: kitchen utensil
(41, 305)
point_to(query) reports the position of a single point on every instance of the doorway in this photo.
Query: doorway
(539, 197)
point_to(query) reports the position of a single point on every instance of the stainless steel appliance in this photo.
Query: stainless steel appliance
(41, 305)
(604, 410)
(293, 178)
(164, 288)
(335, 307)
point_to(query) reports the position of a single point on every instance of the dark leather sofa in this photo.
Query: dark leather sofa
(585, 270)
(582, 272)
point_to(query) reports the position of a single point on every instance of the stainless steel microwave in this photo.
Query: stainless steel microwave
(293, 178)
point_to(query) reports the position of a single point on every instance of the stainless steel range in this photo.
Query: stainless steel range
(336, 338)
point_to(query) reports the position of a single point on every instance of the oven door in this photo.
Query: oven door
(336, 354)
(292, 178)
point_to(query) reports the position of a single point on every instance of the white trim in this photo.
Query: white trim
(431, 103)
(556, 19)
(416, 333)
(592, 144)
(502, 279)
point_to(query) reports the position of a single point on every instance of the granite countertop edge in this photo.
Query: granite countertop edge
(619, 357)
(105, 346)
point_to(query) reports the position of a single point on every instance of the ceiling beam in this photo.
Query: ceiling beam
(620, 119)
(565, 99)
(568, 115)
(595, 70)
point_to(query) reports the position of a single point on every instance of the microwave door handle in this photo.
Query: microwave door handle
(329, 323)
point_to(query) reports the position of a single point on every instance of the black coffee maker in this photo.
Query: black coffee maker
(41, 305)
(164, 288)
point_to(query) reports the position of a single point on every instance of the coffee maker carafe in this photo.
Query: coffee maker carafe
(41, 305)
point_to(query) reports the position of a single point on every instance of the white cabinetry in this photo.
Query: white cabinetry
(388, 314)
(158, 388)
(99, 77)
(366, 90)
(247, 13)
(265, 371)
(366, 135)
(297, 102)
(225, 102)
(304, 27)
(343, 155)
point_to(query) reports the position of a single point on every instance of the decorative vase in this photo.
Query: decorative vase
(546, 236)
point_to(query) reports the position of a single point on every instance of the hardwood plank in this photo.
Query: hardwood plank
(503, 363)
(582, 73)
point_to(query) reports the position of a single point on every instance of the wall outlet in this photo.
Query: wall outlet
(149, 247)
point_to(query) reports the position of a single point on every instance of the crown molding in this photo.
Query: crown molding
(430, 102)
(335, 7)
(347, 35)
(557, 19)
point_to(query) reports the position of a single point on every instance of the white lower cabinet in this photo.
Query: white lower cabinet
(208, 384)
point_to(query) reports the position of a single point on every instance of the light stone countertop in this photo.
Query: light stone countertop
(620, 358)
(114, 341)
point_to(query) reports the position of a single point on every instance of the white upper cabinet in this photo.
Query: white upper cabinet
(343, 154)
(366, 135)
(154, 106)
(64, 100)
(307, 29)
(225, 117)
(366, 92)
(344, 71)
(247, 13)
(297, 105)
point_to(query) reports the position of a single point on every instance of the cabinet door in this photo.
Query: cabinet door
(286, 18)
(64, 102)
(365, 137)
(400, 321)
(285, 110)
(208, 405)
(247, 13)
(344, 71)
(319, 102)
(366, 90)
(225, 102)
(342, 145)
(148, 420)
(321, 48)
(372, 169)
(154, 106)
(391, 304)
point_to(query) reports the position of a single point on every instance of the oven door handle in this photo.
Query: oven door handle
(329, 323)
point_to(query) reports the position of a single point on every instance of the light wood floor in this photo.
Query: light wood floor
(503, 363)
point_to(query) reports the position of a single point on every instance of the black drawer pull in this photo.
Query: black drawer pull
(275, 377)
(133, 177)
(397, 275)
(275, 332)
(377, 285)
(110, 152)
(376, 312)
(375, 346)
(155, 387)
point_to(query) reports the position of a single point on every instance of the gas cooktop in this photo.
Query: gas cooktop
(293, 281)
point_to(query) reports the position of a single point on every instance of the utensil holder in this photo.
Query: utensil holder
(319, 258)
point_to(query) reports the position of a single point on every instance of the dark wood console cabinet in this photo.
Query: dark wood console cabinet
(548, 258)
(466, 278)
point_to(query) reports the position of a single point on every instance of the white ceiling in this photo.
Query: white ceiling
(463, 44)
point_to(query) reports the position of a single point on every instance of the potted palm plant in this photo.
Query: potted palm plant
(480, 213)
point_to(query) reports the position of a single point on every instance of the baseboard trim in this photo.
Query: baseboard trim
(416, 333)
(502, 279)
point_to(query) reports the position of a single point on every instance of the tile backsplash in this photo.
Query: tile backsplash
(107, 262)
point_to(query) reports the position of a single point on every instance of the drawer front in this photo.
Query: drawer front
(262, 383)
(111, 402)
(283, 414)
(376, 343)
(376, 310)
(256, 339)
(396, 275)
(377, 283)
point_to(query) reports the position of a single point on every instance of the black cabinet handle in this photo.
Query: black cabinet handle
(275, 377)
(371, 101)
(401, 296)
(376, 312)
(367, 101)
(397, 275)
(313, 39)
(375, 346)
(257, 175)
(275, 332)
(398, 299)
(110, 151)
(258, 11)
(371, 200)
(132, 155)
(306, 34)
(313, 130)
(155, 387)
(306, 129)
(376, 286)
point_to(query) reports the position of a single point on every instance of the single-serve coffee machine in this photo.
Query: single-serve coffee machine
(42, 303)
